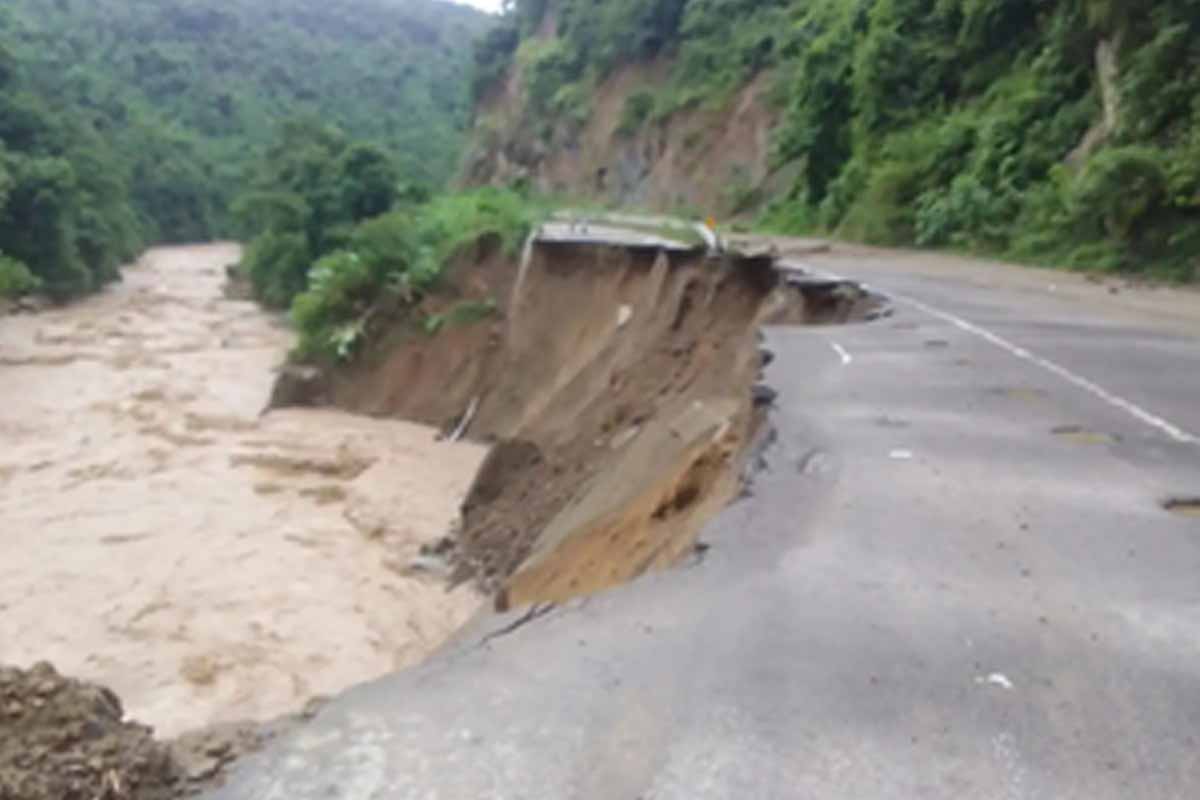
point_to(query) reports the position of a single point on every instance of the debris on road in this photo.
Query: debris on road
(61, 738)
(996, 679)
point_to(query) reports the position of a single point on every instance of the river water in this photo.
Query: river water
(159, 536)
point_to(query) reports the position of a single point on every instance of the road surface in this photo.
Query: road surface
(954, 579)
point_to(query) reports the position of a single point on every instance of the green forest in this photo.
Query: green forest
(1053, 132)
(314, 130)
(340, 237)
(127, 122)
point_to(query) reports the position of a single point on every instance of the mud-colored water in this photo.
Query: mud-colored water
(163, 539)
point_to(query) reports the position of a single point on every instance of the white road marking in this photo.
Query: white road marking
(843, 354)
(1136, 411)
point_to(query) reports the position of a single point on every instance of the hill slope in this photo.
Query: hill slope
(1057, 132)
(189, 92)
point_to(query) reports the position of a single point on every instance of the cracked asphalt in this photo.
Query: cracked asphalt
(927, 593)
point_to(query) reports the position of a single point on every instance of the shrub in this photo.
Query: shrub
(570, 104)
(465, 313)
(391, 262)
(962, 214)
(15, 278)
(884, 213)
(548, 66)
(331, 314)
(277, 264)
(1119, 192)
(637, 109)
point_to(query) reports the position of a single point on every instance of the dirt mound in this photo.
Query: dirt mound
(61, 739)
(65, 739)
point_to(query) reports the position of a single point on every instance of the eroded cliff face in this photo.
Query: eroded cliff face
(618, 386)
(708, 159)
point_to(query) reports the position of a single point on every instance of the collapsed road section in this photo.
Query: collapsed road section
(615, 378)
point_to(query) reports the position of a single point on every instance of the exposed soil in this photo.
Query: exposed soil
(616, 384)
(714, 160)
(65, 739)
(61, 739)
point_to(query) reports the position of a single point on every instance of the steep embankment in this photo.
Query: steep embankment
(1064, 134)
(617, 385)
(714, 159)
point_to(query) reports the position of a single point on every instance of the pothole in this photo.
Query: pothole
(1078, 434)
(1183, 506)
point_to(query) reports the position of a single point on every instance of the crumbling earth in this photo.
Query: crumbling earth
(616, 384)
(65, 739)
(62, 739)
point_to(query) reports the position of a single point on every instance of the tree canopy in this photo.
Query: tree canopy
(127, 121)
(966, 123)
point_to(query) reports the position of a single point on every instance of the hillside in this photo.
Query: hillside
(188, 93)
(1061, 132)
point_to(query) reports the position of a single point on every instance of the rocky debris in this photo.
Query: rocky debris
(65, 739)
(434, 559)
(29, 304)
(763, 396)
(33, 304)
(300, 386)
(237, 285)
(202, 756)
(62, 739)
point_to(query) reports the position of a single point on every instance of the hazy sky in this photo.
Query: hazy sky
(486, 5)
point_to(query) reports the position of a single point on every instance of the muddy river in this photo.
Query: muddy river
(162, 537)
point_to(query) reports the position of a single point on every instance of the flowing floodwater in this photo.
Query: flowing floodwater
(161, 537)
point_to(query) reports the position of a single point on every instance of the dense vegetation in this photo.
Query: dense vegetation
(340, 240)
(128, 121)
(966, 123)
(66, 222)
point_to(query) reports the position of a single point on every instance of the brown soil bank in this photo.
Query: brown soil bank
(617, 385)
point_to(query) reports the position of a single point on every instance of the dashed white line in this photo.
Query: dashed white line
(843, 354)
(1141, 414)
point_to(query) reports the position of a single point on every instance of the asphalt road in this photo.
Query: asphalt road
(954, 579)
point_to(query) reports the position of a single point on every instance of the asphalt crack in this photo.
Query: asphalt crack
(535, 612)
